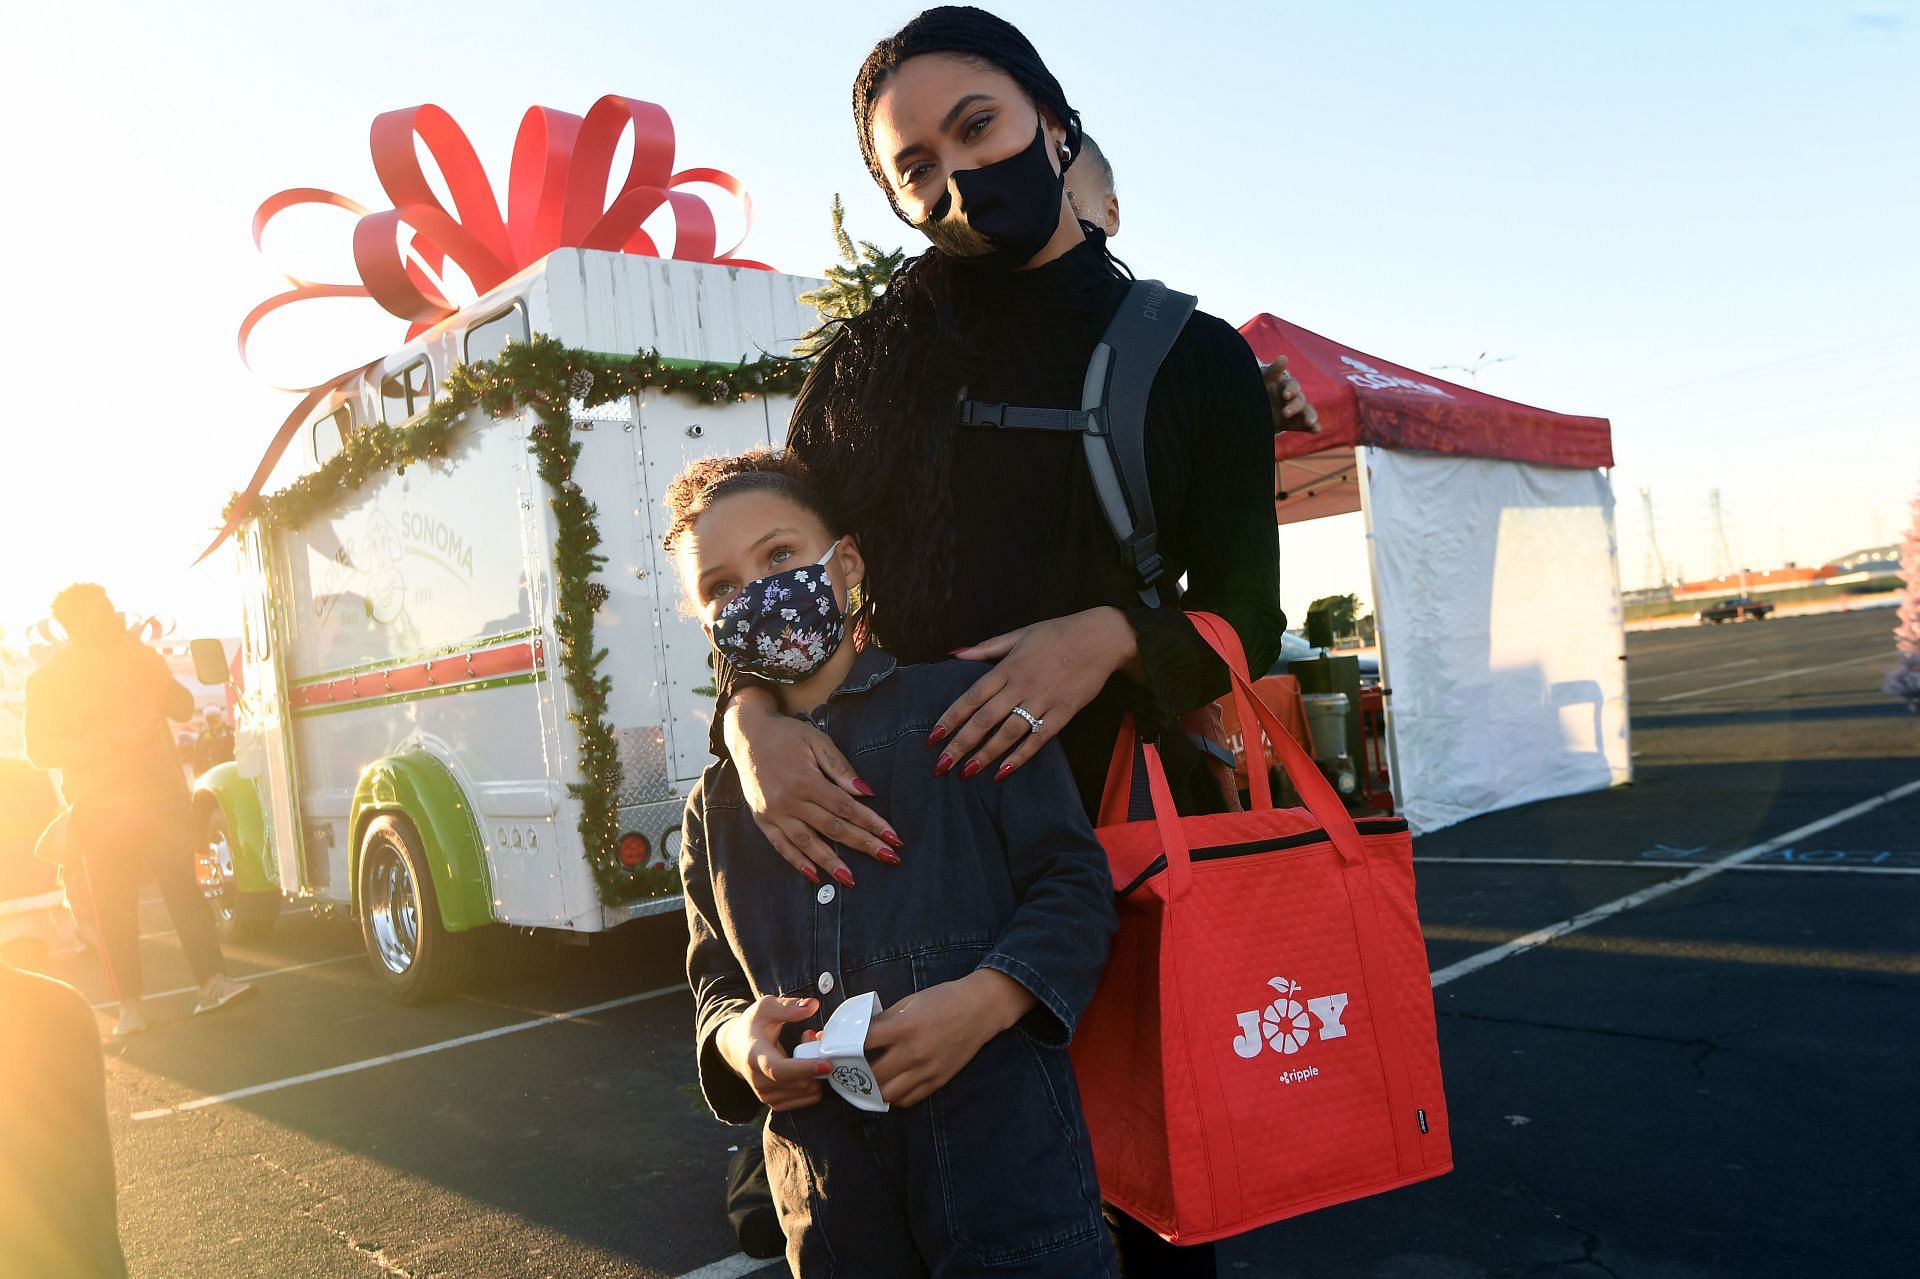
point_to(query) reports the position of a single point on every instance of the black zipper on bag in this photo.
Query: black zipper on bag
(1220, 852)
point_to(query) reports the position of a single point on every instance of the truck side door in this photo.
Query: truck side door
(263, 744)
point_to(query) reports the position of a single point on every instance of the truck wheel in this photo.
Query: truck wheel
(415, 959)
(237, 916)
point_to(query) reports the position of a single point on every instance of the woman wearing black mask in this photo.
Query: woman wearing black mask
(990, 544)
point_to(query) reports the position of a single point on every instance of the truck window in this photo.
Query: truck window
(330, 434)
(406, 391)
(419, 380)
(487, 338)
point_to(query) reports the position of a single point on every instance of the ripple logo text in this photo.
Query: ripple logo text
(1286, 1024)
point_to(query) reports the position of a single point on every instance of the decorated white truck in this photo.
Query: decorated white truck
(450, 715)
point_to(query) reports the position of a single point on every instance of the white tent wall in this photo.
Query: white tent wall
(1497, 593)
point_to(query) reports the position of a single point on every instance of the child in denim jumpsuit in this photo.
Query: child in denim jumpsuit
(983, 937)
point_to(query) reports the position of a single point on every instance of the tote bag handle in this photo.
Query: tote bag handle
(1114, 799)
(1293, 759)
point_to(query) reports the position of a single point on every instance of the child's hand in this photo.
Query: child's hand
(750, 1043)
(920, 1043)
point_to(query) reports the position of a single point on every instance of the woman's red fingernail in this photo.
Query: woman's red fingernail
(893, 840)
(955, 652)
(938, 735)
(1000, 775)
(862, 788)
(972, 769)
(886, 856)
(946, 762)
(845, 877)
(823, 1068)
(813, 876)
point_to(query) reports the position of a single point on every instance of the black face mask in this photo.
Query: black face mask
(1001, 214)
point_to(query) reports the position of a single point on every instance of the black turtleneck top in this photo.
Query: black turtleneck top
(1030, 540)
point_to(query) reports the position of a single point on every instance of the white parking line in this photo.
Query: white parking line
(259, 976)
(1540, 937)
(1761, 679)
(1698, 670)
(289, 912)
(353, 1067)
(1659, 865)
(732, 1267)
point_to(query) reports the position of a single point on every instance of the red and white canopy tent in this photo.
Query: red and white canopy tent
(1496, 585)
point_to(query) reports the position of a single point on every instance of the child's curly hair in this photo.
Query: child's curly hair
(761, 470)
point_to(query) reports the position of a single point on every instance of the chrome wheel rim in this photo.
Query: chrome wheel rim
(393, 913)
(214, 870)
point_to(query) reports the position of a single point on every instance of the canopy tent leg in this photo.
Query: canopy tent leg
(1620, 612)
(1379, 628)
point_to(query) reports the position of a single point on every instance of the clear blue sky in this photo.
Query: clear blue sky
(1699, 220)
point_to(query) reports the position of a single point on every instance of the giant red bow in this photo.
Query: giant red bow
(556, 198)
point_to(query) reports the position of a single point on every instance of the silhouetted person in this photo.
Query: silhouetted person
(56, 1164)
(214, 745)
(97, 711)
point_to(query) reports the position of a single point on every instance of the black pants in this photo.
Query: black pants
(1145, 1255)
(121, 850)
(1142, 1253)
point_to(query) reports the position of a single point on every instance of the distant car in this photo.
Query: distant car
(1294, 648)
(1734, 610)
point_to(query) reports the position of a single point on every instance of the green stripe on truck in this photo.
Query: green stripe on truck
(391, 699)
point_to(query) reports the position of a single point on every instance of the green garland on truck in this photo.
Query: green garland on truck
(546, 377)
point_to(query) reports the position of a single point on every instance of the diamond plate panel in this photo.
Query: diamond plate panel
(643, 766)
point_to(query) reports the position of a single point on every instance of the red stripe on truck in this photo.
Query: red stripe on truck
(439, 672)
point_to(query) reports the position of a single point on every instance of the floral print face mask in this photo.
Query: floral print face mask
(785, 626)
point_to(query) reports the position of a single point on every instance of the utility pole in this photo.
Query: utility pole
(1654, 572)
(1723, 561)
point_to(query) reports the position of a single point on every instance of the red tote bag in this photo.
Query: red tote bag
(1263, 1043)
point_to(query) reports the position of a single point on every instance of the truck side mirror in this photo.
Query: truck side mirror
(210, 662)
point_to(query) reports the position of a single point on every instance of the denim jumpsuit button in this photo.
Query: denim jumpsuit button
(825, 895)
(826, 983)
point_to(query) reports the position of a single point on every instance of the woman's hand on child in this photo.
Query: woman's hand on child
(803, 793)
(1051, 670)
(750, 1043)
(920, 1043)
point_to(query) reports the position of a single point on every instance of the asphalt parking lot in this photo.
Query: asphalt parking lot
(1679, 1022)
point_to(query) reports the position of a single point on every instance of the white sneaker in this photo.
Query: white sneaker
(132, 1021)
(221, 991)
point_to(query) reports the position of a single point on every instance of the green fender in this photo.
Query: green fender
(421, 788)
(239, 803)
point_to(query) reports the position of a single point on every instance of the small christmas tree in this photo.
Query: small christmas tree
(1904, 680)
(860, 276)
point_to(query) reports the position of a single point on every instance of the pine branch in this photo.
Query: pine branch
(852, 284)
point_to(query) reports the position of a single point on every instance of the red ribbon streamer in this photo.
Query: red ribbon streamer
(556, 198)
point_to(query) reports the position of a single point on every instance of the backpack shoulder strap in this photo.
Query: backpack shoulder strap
(1119, 379)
